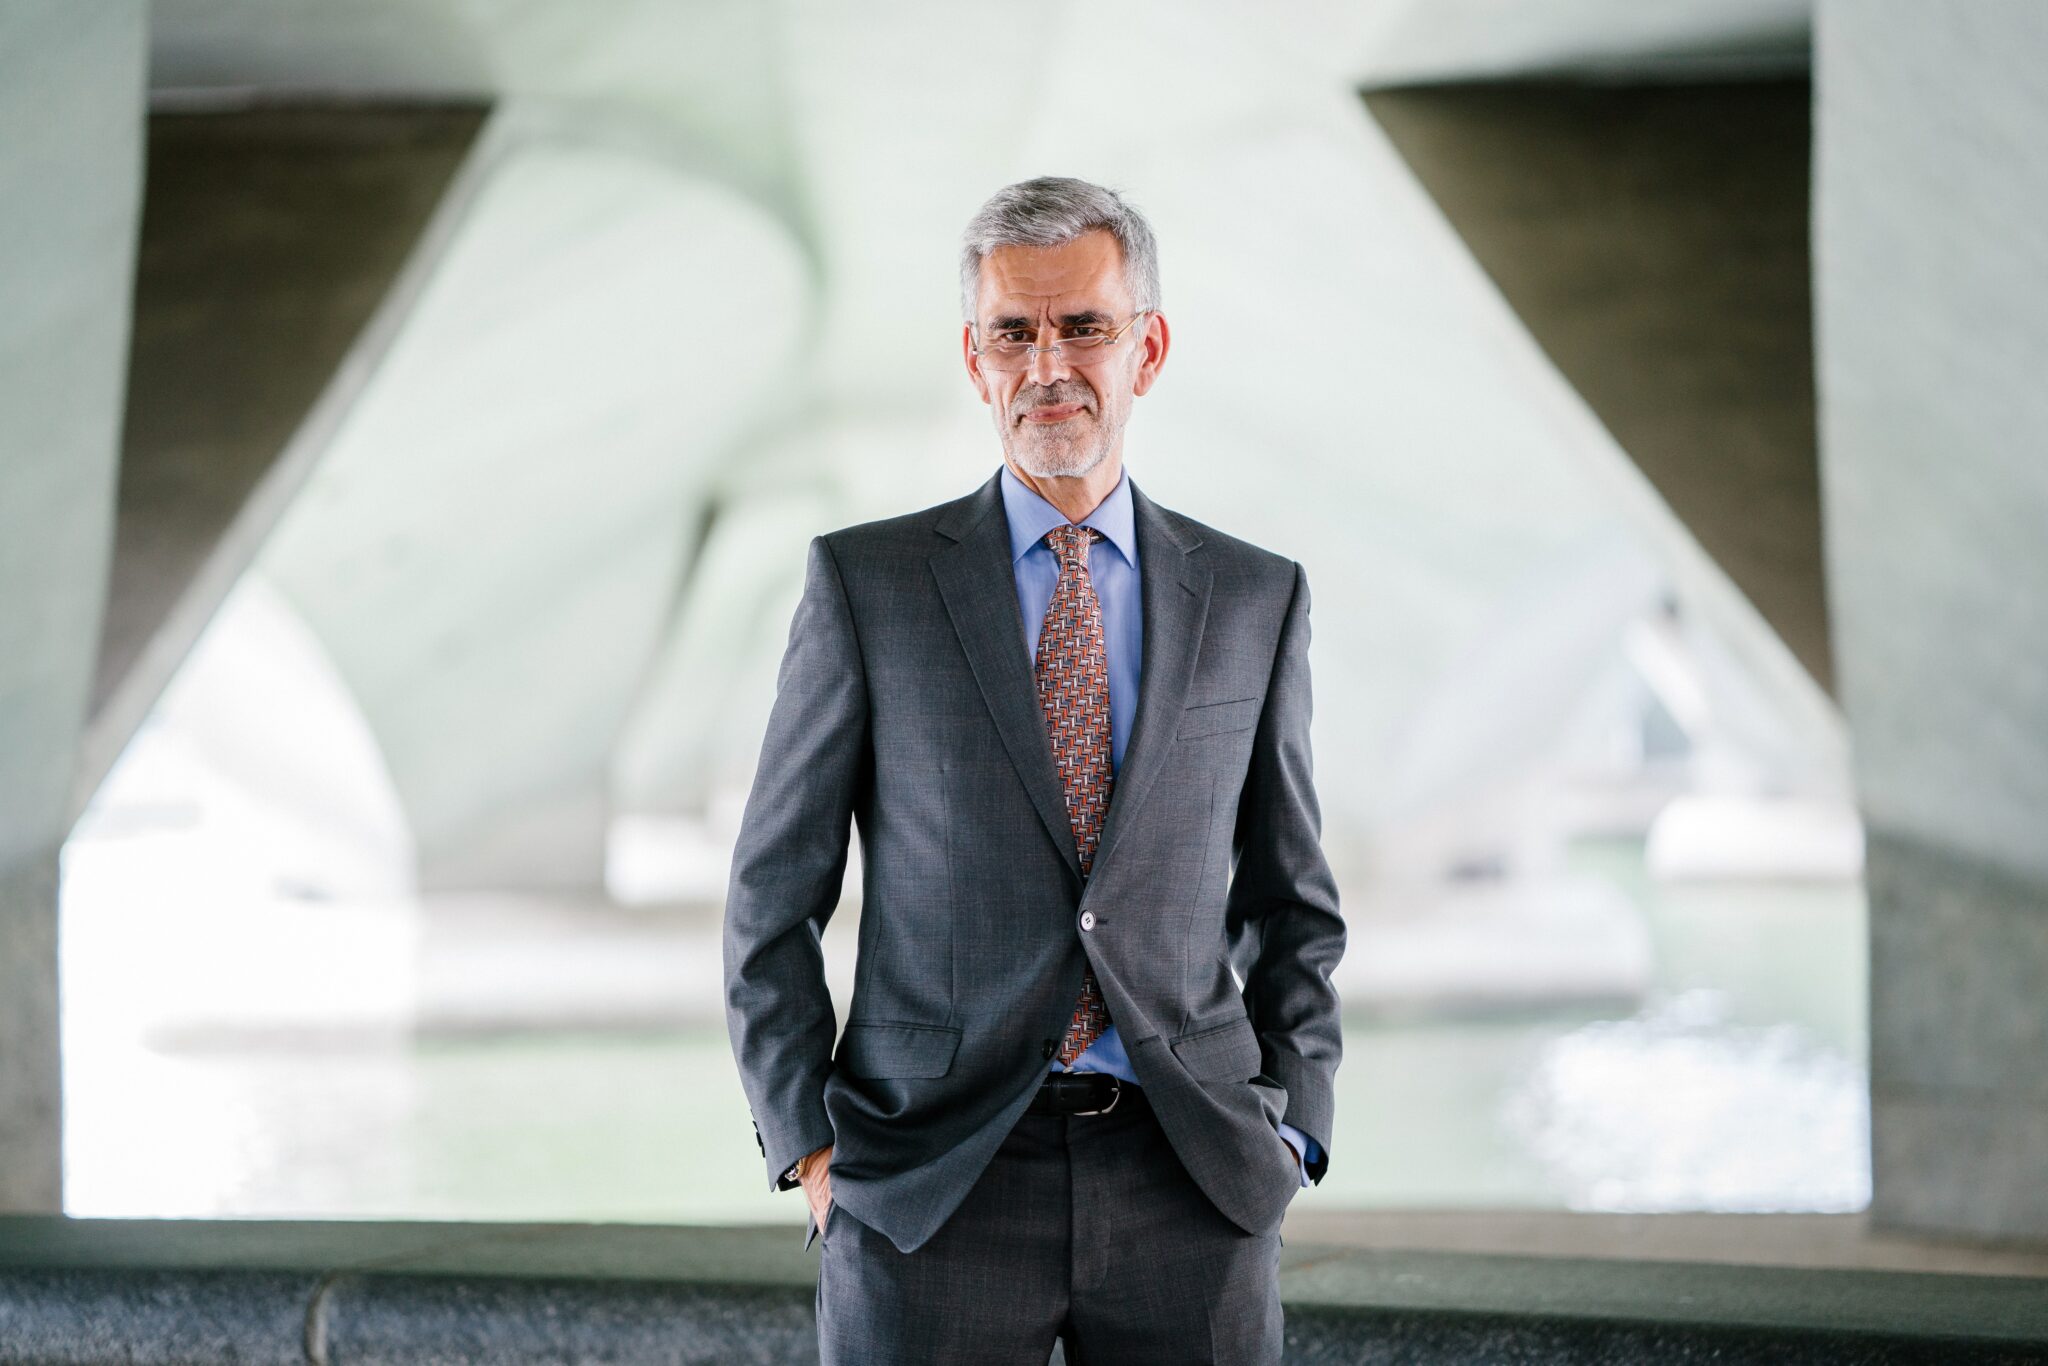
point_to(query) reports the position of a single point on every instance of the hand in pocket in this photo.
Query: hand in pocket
(814, 1171)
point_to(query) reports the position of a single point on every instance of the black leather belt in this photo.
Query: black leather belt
(1079, 1093)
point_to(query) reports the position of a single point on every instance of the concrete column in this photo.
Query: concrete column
(72, 94)
(1931, 271)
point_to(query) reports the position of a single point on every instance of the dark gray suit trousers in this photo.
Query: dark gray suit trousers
(1083, 1228)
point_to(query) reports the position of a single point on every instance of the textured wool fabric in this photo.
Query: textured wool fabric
(1073, 690)
(905, 705)
(1084, 1228)
(1114, 568)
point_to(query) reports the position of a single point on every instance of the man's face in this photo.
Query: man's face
(1055, 418)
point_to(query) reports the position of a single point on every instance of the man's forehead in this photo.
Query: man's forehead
(1077, 277)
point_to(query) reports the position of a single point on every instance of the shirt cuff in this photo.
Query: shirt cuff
(1303, 1144)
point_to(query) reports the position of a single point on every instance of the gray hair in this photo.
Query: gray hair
(1050, 211)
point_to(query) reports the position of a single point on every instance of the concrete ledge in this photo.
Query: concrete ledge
(143, 1291)
(1826, 1241)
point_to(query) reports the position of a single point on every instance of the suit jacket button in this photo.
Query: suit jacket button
(1050, 1048)
(1087, 920)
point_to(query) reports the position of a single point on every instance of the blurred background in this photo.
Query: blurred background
(413, 415)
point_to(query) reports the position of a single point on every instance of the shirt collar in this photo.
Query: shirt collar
(1030, 516)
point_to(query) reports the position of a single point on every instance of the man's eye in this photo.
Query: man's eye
(1085, 331)
(1012, 338)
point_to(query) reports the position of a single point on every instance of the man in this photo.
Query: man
(1090, 1050)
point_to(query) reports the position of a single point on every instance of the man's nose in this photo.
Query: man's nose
(1054, 365)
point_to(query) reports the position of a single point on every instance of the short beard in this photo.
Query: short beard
(1060, 458)
(1057, 465)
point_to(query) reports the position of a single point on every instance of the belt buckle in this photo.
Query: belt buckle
(1116, 1093)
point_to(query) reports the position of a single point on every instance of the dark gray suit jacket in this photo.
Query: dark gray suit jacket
(906, 704)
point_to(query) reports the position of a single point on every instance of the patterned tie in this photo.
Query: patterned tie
(1073, 688)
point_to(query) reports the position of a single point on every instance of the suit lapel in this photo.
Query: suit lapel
(1174, 588)
(979, 586)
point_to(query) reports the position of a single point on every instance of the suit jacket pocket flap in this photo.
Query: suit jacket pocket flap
(1226, 1050)
(892, 1049)
(1212, 718)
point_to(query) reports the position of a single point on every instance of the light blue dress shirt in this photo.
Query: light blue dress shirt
(1113, 566)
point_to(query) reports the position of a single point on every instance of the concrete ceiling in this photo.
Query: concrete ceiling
(1346, 384)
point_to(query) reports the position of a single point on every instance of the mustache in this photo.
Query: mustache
(1055, 397)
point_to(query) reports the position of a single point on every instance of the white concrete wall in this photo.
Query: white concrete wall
(71, 128)
(1931, 244)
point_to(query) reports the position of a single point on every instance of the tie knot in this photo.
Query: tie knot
(1069, 542)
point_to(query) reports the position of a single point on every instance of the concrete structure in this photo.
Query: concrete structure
(1653, 237)
(272, 249)
(71, 100)
(1931, 261)
(1930, 336)
(142, 1292)
(541, 474)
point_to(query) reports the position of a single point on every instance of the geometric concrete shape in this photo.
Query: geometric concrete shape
(31, 1065)
(1412, 42)
(1412, 445)
(1959, 1164)
(71, 93)
(490, 547)
(250, 352)
(269, 235)
(1653, 238)
(72, 81)
(697, 718)
(1959, 1041)
(1845, 1241)
(1932, 296)
(1933, 290)
(1959, 968)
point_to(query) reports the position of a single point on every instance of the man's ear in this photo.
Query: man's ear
(1158, 337)
(973, 362)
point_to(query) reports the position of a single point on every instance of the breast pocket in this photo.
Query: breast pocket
(1217, 718)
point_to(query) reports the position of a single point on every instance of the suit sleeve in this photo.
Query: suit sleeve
(1311, 1151)
(787, 869)
(1283, 892)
